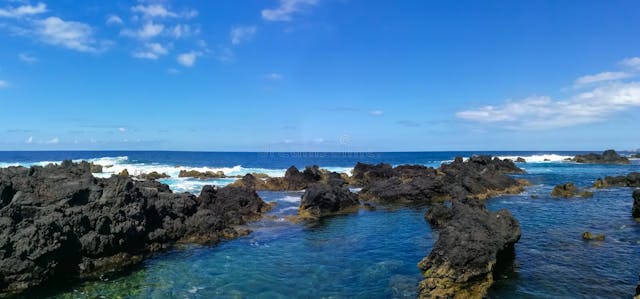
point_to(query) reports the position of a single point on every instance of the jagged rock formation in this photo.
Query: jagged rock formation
(59, 223)
(607, 157)
(154, 175)
(324, 199)
(293, 179)
(569, 190)
(630, 180)
(479, 177)
(472, 240)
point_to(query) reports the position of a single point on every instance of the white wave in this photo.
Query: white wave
(539, 158)
(289, 198)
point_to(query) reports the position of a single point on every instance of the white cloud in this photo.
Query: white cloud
(28, 58)
(55, 140)
(542, 112)
(376, 112)
(600, 77)
(632, 62)
(4, 84)
(285, 9)
(114, 20)
(147, 31)
(24, 10)
(240, 34)
(29, 140)
(122, 130)
(151, 51)
(274, 76)
(154, 10)
(187, 59)
(159, 11)
(69, 34)
(183, 30)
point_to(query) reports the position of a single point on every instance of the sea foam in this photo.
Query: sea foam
(543, 158)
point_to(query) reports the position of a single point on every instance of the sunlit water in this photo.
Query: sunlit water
(373, 254)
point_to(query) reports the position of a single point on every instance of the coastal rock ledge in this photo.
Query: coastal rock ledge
(472, 245)
(58, 223)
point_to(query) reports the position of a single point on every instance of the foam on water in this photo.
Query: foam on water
(544, 158)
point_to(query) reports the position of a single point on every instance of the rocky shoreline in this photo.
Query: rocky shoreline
(58, 223)
(101, 226)
(607, 157)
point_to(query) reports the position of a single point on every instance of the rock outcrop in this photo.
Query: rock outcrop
(324, 199)
(630, 180)
(478, 177)
(293, 180)
(154, 175)
(636, 204)
(201, 175)
(472, 242)
(59, 223)
(521, 160)
(607, 157)
(569, 190)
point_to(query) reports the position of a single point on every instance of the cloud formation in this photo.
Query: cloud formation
(68, 34)
(28, 58)
(187, 59)
(609, 94)
(285, 9)
(600, 77)
(4, 84)
(114, 20)
(23, 10)
(151, 51)
(240, 34)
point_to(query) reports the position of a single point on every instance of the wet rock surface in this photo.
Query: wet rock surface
(201, 175)
(324, 199)
(472, 241)
(59, 223)
(630, 180)
(570, 190)
(607, 157)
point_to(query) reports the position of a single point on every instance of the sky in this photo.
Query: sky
(319, 75)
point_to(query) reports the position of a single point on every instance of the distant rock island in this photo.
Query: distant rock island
(607, 157)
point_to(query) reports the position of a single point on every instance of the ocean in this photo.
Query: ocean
(373, 254)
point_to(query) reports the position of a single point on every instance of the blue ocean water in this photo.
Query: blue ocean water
(373, 254)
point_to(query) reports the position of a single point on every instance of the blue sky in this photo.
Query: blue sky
(319, 75)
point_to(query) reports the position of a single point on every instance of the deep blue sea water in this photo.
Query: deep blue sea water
(373, 254)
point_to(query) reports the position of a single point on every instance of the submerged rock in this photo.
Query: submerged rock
(321, 200)
(630, 180)
(59, 223)
(569, 190)
(607, 157)
(588, 236)
(472, 240)
(636, 204)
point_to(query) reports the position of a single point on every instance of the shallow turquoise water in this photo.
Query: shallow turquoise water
(373, 254)
(362, 255)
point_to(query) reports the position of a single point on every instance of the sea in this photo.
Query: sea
(372, 254)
